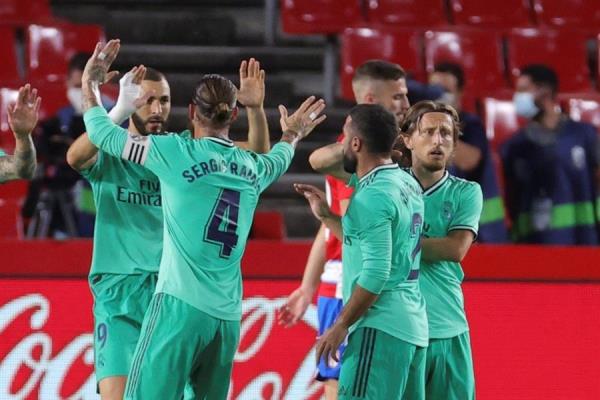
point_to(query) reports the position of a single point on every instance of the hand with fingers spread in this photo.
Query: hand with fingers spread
(96, 72)
(298, 125)
(316, 198)
(252, 84)
(130, 95)
(23, 114)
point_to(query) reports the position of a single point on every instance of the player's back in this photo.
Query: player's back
(210, 191)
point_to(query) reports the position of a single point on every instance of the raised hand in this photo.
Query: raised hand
(305, 119)
(316, 199)
(252, 84)
(96, 69)
(23, 114)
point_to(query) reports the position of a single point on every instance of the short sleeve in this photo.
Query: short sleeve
(468, 210)
(272, 165)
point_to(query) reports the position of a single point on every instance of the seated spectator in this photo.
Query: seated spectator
(473, 159)
(59, 202)
(551, 167)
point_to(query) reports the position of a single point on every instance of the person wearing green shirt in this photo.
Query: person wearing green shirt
(128, 237)
(384, 316)
(452, 211)
(22, 119)
(210, 189)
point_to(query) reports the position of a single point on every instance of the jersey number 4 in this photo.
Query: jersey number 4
(222, 228)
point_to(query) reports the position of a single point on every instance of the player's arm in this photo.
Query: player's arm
(453, 247)
(298, 301)
(329, 160)
(22, 118)
(376, 248)
(462, 230)
(252, 95)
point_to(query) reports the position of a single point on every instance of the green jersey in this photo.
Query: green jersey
(450, 204)
(128, 232)
(210, 189)
(381, 252)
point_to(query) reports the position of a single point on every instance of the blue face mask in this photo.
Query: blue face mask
(525, 104)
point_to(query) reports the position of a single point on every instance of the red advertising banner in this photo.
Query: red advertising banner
(530, 341)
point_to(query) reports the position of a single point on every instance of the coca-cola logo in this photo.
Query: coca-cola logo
(46, 352)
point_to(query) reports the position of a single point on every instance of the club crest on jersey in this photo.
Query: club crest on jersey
(447, 210)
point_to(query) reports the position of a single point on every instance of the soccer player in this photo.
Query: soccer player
(384, 312)
(22, 118)
(375, 82)
(452, 210)
(210, 189)
(128, 237)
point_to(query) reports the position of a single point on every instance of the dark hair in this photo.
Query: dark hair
(542, 75)
(376, 126)
(379, 70)
(452, 69)
(412, 120)
(215, 98)
(78, 61)
(154, 75)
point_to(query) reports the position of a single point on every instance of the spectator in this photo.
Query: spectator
(551, 167)
(473, 157)
(59, 202)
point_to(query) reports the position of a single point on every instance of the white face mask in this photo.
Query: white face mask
(525, 104)
(448, 98)
(75, 96)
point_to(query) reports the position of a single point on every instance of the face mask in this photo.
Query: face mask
(75, 97)
(525, 104)
(448, 98)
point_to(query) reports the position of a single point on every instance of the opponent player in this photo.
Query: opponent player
(374, 82)
(384, 312)
(452, 210)
(125, 260)
(210, 190)
(22, 119)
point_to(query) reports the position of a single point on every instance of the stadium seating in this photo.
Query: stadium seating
(49, 48)
(500, 120)
(491, 14)
(402, 46)
(584, 108)
(478, 52)
(8, 67)
(319, 16)
(401, 13)
(24, 11)
(579, 14)
(565, 51)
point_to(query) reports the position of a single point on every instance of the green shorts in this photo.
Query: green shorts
(377, 366)
(120, 303)
(449, 369)
(180, 344)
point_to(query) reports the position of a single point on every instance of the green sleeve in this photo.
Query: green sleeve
(468, 210)
(104, 133)
(375, 215)
(94, 171)
(272, 165)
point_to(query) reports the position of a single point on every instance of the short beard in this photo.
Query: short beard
(140, 125)
(349, 164)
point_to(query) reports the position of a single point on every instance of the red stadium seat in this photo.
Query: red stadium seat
(579, 14)
(564, 51)
(10, 219)
(268, 225)
(492, 14)
(478, 52)
(500, 119)
(9, 71)
(49, 48)
(24, 11)
(423, 13)
(319, 16)
(402, 46)
(584, 108)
